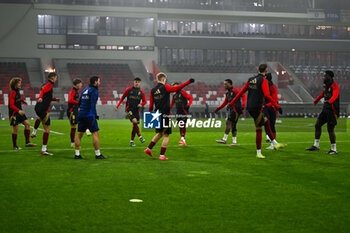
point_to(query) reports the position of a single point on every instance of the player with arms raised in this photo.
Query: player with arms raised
(258, 89)
(160, 98)
(134, 96)
(233, 112)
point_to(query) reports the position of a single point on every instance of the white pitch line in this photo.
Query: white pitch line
(51, 131)
(172, 146)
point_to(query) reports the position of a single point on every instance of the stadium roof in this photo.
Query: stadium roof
(300, 6)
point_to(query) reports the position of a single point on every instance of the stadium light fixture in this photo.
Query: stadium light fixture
(49, 70)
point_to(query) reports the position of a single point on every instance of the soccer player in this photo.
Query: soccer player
(233, 112)
(134, 96)
(329, 114)
(42, 109)
(258, 88)
(160, 97)
(183, 102)
(72, 110)
(87, 117)
(17, 115)
(270, 111)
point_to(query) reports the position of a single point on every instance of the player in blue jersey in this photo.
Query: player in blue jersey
(87, 117)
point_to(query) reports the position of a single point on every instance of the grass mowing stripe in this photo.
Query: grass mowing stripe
(169, 146)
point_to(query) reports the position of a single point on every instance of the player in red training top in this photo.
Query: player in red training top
(42, 109)
(182, 101)
(233, 112)
(160, 98)
(16, 114)
(133, 96)
(329, 114)
(270, 111)
(258, 90)
(72, 110)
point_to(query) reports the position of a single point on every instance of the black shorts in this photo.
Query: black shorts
(73, 117)
(258, 117)
(85, 123)
(17, 119)
(43, 115)
(233, 116)
(133, 113)
(165, 126)
(270, 114)
(327, 116)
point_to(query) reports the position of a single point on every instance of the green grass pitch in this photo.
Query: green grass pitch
(204, 187)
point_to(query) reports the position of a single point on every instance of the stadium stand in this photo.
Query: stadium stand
(312, 77)
(284, 79)
(9, 70)
(115, 78)
(210, 68)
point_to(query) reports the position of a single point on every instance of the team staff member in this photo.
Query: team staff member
(87, 117)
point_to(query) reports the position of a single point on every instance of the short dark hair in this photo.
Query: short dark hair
(137, 79)
(175, 83)
(93, 79)
(330, 73)
(51, 75)
(77, 81)
(229, 81)
(262, 68)
(269, 76)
